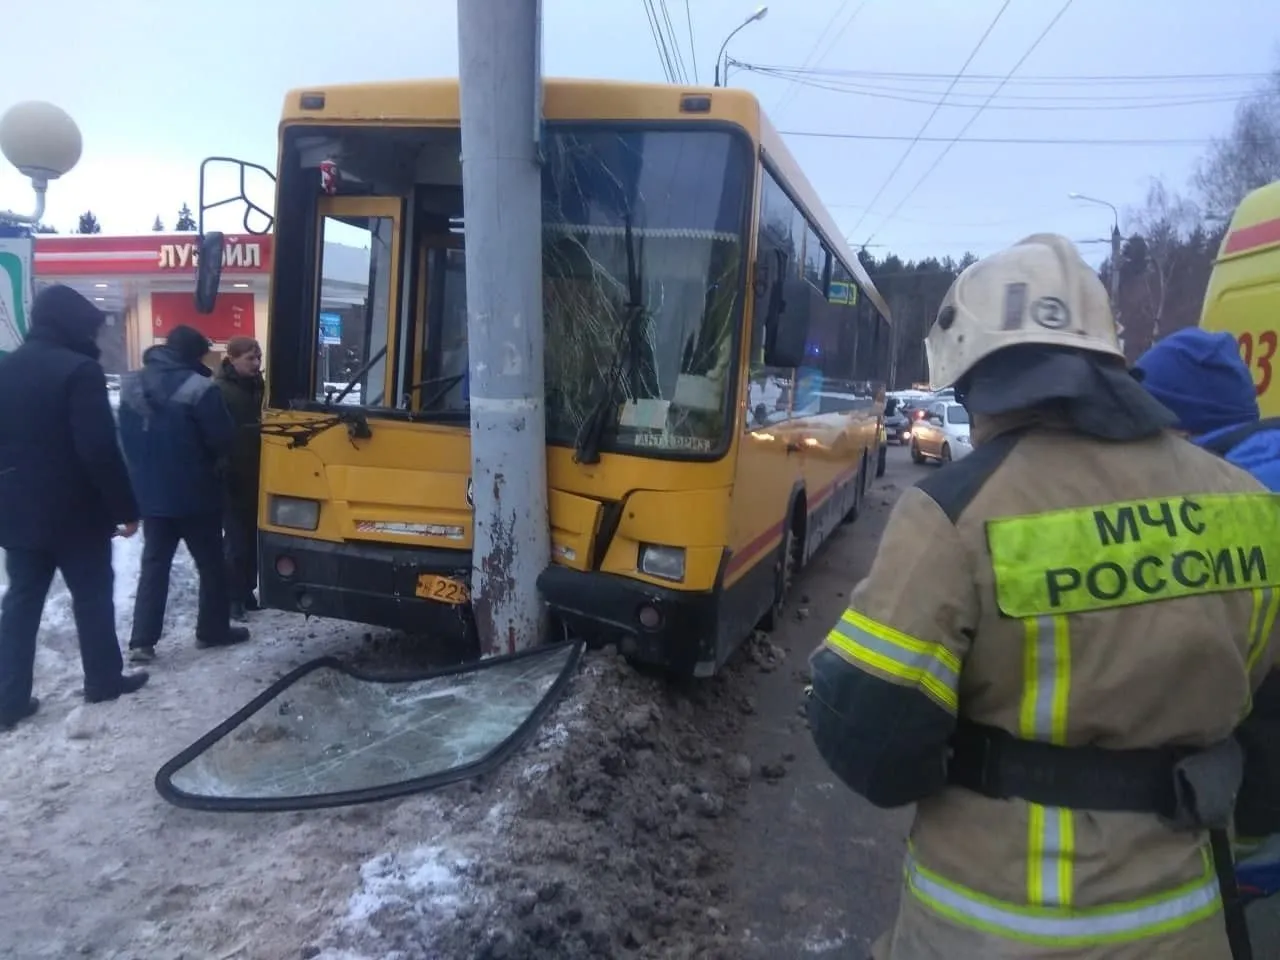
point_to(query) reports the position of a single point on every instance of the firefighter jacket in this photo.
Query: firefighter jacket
(1072, 591)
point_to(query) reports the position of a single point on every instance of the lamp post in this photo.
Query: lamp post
(43, 143)
(1115, 260)
(758, 15)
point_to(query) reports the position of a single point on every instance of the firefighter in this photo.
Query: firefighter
(1056, 640)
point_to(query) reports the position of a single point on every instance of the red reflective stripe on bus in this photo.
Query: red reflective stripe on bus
(1258, 235)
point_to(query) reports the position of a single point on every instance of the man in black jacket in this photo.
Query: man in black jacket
(176, 432)
(64, 493)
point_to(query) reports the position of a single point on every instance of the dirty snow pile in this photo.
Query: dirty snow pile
(592, 842)
(597, 839)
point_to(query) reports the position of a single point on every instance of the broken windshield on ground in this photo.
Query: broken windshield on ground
(326, 735)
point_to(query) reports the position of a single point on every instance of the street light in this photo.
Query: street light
(1115, 261)
(758, 15)
(43, 142)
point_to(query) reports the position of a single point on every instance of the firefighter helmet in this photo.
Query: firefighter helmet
(1039, 290)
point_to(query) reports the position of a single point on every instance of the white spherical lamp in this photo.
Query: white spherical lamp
(41, 140)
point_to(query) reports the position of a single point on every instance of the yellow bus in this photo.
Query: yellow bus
(715, 364)
(1243, 297)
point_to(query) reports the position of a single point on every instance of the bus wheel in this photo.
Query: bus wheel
(788, 567)
(859, 493)
(882, 463)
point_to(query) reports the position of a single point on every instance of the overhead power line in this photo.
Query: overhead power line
(1024, 103)
(693, 46)
(789, 93)
(1056, 80)
(893, 172)
(649, 12)
(875, 86)
(673, 41)
(1024, 141)
(977, 113)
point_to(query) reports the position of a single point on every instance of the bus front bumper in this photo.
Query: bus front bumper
(673, 629)
(366, 583)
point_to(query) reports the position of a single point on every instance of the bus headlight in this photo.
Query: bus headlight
(293, 512)
(666, 563)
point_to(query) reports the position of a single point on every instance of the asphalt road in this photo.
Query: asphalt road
(816, 868)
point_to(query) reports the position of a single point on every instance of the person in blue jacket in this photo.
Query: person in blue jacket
(1202, 379)
(177, 433)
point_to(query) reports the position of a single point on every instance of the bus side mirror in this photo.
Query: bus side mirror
(209, 271)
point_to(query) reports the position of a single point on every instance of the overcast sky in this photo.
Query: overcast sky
(155, 86)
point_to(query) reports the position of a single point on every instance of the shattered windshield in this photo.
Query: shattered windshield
(327, 734)
(642, 258)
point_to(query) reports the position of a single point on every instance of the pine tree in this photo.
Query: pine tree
(158, 226)
(186, 222)
(88, 223)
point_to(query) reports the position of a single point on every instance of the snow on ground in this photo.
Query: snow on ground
(587, 844)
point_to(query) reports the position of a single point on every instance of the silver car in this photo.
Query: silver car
(942, 434)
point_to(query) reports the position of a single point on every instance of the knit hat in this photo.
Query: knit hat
(189, 345)
(1201, 378)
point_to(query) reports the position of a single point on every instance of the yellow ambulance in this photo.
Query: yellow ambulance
(1244, 291)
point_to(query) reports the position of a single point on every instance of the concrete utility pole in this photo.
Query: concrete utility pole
(1115, 282)
(499, 57)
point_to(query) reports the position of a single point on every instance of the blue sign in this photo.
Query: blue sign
(330, 329)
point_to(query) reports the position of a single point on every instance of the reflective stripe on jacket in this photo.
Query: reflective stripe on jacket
(1090, 593)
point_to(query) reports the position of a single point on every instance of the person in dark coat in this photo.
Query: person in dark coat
(177, 432)
(64, 493)
(240, 380)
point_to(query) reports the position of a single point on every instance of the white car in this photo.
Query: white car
(942, 434)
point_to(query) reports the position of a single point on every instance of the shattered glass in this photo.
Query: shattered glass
(642, 255)
(330, 731)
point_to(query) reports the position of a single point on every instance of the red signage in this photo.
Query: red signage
(154, 254)
(232, 315)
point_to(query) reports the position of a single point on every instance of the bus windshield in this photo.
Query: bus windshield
(643, 250)
(642, 257)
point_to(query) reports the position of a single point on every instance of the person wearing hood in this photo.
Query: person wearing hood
(1201, 377)
(64, 494)
(1082, 563)
(240, 380)
(177, 433)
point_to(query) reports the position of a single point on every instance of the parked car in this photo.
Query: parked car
(942, 434)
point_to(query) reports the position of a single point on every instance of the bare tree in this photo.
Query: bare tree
(1248, 157)
(1152, 258)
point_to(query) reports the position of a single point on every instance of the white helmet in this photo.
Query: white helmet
(1040, 290)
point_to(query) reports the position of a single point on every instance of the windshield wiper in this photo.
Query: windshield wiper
(604, 413)
(446, 383)
(300, 434)
(330, 398)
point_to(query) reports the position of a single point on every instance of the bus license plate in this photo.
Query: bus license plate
(432, 586)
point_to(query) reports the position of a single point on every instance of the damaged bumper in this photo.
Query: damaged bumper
(365, 583)
(673, 629)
